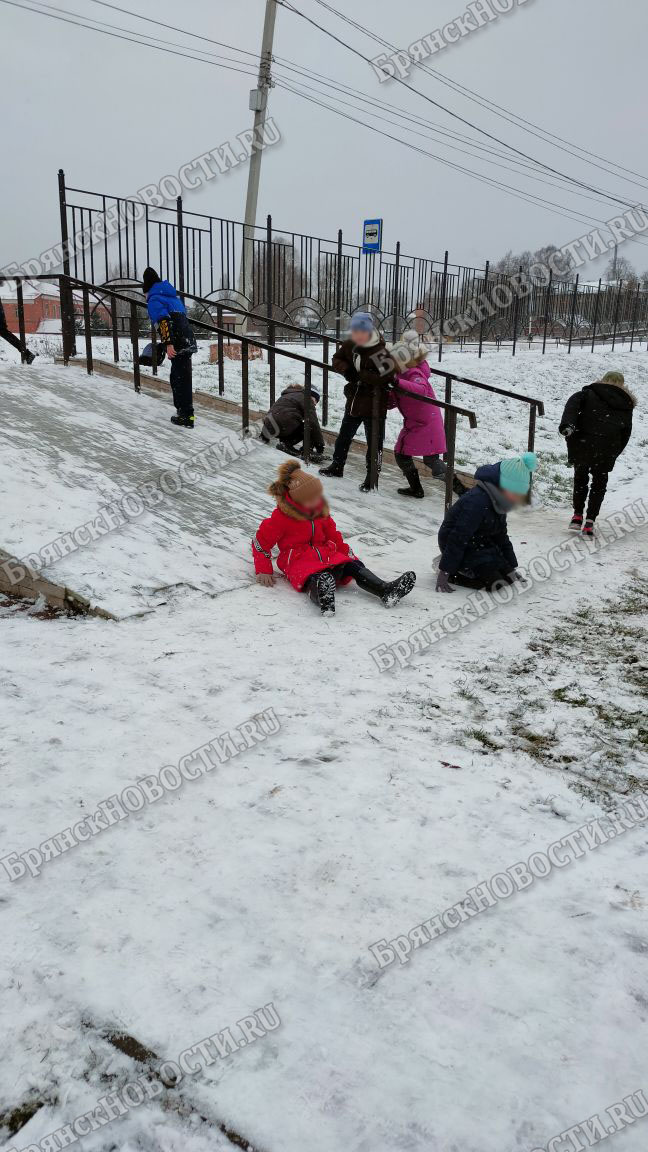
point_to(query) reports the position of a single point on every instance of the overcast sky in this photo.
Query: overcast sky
(116, 116)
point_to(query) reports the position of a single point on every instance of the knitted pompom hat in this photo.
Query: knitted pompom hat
(515, 474)
(362, 322)
(301, 486)
(409, 350)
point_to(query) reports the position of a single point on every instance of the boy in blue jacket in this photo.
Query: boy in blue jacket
(167, 311)
(476, 550)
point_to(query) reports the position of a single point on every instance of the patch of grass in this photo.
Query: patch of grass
(483, 738)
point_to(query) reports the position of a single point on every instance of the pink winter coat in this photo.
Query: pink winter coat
(422, 433)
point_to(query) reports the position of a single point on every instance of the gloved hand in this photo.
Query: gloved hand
(443, 582)
(567, 431)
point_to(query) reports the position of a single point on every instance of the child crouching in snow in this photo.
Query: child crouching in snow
(475, 547)
(312, 553)
(422, 433)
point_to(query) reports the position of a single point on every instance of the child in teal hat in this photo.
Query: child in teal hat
(476, 549)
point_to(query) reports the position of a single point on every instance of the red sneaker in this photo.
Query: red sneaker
(588, 528)
(576, 523)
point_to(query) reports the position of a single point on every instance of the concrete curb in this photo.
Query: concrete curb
(32, 585)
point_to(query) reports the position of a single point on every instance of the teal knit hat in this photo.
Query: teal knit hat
(515, 474)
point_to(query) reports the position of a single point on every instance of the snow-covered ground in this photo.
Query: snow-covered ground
(381, 799)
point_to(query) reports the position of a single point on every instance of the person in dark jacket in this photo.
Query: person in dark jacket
(368, 369)
(167, 311)
(476, 549)
(285, 420)
(596, 423)
(5, 334)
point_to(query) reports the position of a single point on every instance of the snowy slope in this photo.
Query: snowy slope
(381, 800)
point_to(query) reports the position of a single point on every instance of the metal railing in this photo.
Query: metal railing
(68, 285)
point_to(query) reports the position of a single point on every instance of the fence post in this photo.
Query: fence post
(596, 312)
(180, 226)
(221, 354)
(531, 440)
(444, 293)
(67, 301)
(307, 413)
(448, 400)
(634, 314)
(573, 312)
(616, 313)
(245, 389)
(374, 449)
(269, 294)
(451, 440)
(395, 294)
(114, 324)
(154, 363)
(134, 335)
(338, 289)
(516, 309)
(21, 320)
(546, 315)
(481, 322)
(86, 330)
(65, 323)
(325, 380)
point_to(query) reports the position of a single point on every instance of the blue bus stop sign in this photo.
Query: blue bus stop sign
(372, 236)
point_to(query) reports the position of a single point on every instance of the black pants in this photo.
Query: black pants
(348, 429)
(597, 489)
(339, 571)
(407, 464)
(10, 338)
(181, 384)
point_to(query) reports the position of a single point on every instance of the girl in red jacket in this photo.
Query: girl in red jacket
(312, 553)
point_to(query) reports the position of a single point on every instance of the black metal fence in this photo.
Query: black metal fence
(289, 278)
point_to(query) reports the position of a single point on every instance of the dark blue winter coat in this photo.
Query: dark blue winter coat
(162, 300)
(473, 533)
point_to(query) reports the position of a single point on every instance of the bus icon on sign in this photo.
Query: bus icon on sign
(372, 236)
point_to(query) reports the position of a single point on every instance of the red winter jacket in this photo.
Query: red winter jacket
(307, 543)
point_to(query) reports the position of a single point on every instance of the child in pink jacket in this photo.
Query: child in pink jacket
(422, 433)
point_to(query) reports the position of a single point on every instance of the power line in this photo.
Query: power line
(119, 36)
(499, 109)
(556, 172)
(518, 193)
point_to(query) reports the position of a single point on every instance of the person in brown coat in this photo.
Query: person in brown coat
(367, 369)
(285, 420)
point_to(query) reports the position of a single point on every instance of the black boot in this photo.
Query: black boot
(366, 484)
(415, 487)
(438, 468)
(29, 356)
(390, 592)
(321, 589)
(183, 421)
(333, 469)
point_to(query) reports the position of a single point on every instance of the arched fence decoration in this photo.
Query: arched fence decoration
(294, 280)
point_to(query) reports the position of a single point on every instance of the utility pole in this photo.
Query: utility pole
(258, 105)
(614, 265)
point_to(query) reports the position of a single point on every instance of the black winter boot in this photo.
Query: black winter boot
(390, 592)
(438, 468)
(415, 487)
(333, 469)
(366, 484)
(321, 589)
(182, 421)
(29, 356)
